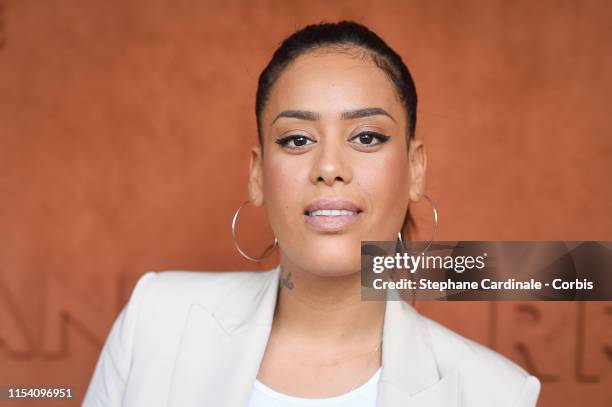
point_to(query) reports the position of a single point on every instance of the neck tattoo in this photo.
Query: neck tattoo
(286, 281)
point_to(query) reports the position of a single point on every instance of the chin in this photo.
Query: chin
(332, 255)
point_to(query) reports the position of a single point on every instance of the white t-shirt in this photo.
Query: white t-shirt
(363, 396)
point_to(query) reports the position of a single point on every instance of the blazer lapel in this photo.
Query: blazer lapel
(410, 374)
(220, 352)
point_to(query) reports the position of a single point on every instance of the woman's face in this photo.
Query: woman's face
(336, 168)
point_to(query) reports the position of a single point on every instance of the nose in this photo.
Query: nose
(331, 163)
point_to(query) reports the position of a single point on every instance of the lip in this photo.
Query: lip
(331, 223)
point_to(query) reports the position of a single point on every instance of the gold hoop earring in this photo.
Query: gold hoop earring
(435, 226)
(242, 253)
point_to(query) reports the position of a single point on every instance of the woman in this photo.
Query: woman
(337, 163)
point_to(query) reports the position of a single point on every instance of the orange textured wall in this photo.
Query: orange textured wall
(124, 136)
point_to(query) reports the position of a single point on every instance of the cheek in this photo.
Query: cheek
(283, 186)
(385, 182)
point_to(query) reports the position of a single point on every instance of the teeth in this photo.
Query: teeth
(331, 212)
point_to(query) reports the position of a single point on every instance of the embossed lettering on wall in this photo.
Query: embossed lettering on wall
(558, 341)
(42, 316)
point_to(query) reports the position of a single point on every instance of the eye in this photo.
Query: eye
(294, 141)
(369, 138)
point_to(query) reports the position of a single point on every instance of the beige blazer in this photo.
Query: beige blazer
(196, 339)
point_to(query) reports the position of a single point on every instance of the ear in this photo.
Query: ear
(417, 161)
(256, 177)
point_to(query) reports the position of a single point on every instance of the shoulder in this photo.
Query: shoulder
(176, 288)
(483, 372)
(147, 331)
(162, 301)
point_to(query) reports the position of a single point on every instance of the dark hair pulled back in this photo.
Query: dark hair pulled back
(342, 35)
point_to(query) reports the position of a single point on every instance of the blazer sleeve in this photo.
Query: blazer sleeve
(529, 394)
(107, 384)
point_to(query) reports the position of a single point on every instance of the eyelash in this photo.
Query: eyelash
(379, 137)
(285, 140)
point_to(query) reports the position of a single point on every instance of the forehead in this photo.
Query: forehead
(331, 81)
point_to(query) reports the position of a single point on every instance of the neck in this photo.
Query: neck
(327, 310)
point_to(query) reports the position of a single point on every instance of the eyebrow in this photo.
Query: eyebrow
(368, 111)
(346, 115)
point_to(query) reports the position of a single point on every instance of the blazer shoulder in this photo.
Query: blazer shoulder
(170, 288)
(481, 368)
(149, 328)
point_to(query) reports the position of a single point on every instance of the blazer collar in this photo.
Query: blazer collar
(408, 359)
(220, 351)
